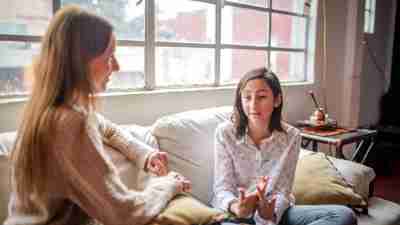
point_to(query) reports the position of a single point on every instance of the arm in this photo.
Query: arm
(283, 184)
(131, 147)
(224, 180)
(94, 186)
(226, 186)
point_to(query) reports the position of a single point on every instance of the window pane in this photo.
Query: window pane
(25, 17)
(126, 17)
(184, 66)
(190, 22)
(244, 26)
(236, 62)
(369, 16)
(131, 72)
(289, 66)
(288, 31)
(262, 3)
(296, 6)
(14, 57)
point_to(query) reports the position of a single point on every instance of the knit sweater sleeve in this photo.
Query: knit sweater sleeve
(131, 147)
(94, 185)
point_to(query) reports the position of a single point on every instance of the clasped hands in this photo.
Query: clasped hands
(247, 203)
(157, 163)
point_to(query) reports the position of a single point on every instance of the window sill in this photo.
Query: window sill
(164, 91)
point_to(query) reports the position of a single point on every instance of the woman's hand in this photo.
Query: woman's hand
(265, 206)
(157, 163)
(245, 205)
(184, 185)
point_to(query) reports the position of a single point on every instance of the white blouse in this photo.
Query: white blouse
(239, 163)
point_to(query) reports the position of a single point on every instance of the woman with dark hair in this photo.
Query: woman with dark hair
(255, 160)
(61, 172)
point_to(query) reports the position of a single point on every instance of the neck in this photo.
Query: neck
(258, 133)
(79, 100)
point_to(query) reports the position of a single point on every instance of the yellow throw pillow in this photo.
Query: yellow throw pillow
(317, 181)
(186, 210)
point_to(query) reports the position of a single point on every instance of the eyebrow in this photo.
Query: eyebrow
(249, 91)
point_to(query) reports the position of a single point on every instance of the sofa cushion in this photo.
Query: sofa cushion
(317, 181)
(357, 175)
(188, 137)
(380, 212)
(186, 210)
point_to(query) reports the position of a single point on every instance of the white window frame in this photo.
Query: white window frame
(369, 16)
(150, 43)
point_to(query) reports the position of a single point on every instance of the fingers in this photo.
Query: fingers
(242, 194)
(262, 186)
(184, 185)
(273, 201)
(159, 163)
(163, 158)
(187, 186)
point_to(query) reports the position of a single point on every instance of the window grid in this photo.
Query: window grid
(150, 43)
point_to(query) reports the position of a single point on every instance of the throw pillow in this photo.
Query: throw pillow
(358, 175)
(186, 210)
(317, 181)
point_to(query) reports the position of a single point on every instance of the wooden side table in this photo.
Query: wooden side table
(363, 139)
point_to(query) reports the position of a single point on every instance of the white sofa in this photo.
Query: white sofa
(188, 137)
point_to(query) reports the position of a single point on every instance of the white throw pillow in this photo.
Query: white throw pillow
(188, 137)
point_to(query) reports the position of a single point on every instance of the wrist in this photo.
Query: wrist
(232, 206)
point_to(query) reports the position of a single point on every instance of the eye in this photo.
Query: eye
(247, 97)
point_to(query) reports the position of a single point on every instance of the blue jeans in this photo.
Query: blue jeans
(314, 215)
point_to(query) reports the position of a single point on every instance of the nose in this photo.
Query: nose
(115, 65)
(253, 103)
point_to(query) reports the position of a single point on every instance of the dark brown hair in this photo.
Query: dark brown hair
(239, 118)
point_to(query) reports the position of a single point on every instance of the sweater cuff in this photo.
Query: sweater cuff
(143, 158)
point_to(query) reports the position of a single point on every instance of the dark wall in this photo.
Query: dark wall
(390, 112)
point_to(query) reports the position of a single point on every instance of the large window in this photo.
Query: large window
(170, 43)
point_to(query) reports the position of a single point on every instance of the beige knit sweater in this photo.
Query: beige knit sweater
(83, 183)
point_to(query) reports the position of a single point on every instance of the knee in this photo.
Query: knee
(346, 215)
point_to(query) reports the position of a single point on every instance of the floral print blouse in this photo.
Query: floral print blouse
(239, 163)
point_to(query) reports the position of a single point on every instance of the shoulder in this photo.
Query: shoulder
(226, 131)
(225, 128)
(67, 118)
(290, 132)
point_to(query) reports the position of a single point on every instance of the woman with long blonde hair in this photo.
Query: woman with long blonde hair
(61, 172)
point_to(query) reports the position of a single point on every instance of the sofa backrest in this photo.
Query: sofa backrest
(188, 137)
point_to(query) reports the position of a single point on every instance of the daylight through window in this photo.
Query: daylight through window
(170, 43)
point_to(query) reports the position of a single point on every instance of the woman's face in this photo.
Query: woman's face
(103, 66)
(258, 102)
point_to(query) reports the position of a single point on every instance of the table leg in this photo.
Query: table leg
(371, 145)
(315, 146)
(357, 150)
(339, 152)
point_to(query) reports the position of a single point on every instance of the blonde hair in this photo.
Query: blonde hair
(73, 38)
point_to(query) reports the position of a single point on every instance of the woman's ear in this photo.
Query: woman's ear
(278, 101)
